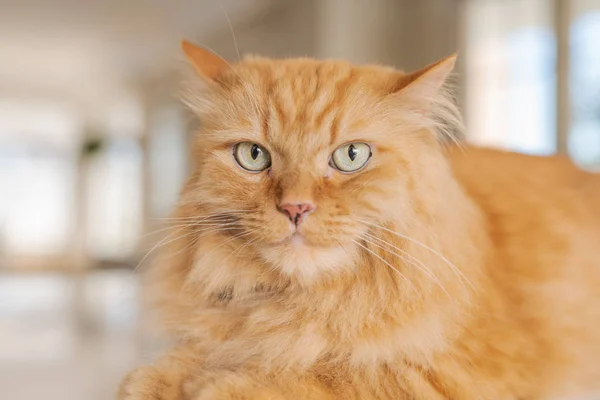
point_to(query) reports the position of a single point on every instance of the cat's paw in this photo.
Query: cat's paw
(147, 383)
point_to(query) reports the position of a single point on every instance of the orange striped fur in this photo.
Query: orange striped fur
(433, 273)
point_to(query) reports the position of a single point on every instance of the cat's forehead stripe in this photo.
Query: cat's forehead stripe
(305, 101)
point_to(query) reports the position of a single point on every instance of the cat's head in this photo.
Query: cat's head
(298, 159)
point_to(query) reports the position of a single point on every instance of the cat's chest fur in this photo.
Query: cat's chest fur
(327, 324)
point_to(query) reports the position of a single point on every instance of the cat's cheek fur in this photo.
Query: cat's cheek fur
(215, 271)
(271, 227)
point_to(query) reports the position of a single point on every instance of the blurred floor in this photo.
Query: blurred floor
(68, 337)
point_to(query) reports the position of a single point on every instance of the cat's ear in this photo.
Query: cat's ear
(207, 64)
(424, 86)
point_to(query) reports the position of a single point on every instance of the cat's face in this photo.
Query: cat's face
(299, 156)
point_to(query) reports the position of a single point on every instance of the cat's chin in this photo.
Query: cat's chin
(299, 256)
(297, 240)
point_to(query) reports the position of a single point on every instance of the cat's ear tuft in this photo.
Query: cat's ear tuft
(424, 85)
(207, 64)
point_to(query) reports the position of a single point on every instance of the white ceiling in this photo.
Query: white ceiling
(91, 50)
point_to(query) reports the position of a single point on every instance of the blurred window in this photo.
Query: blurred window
(40, 174)
(584, 138)
(168, 162)
(37, 177)
(37, 201)
(511, 75)
(531, 91)
(114, 199)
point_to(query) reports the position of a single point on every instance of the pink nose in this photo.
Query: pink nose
(296, 212)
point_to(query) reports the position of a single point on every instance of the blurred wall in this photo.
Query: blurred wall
(405, 33)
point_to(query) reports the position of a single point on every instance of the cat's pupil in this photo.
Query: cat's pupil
(255, 152)
(352, 152)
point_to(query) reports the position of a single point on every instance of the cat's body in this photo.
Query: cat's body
(542, 216)
(427, 274)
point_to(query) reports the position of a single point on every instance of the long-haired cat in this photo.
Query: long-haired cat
(330, 247)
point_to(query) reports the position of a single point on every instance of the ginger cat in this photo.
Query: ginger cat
(330, 247)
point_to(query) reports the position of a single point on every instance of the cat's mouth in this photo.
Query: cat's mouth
(299, 237)
(298, 240)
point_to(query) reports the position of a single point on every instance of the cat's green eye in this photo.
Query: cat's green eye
(351, 157)
(251, 156)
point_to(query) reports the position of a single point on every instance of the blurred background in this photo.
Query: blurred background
(93, 140)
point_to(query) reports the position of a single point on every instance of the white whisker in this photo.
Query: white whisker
(386, 263)
(214, 227)
(203, 233)
(458, 273)
(237, 49)
(162, 243)
(423, 269)
(240, 248)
